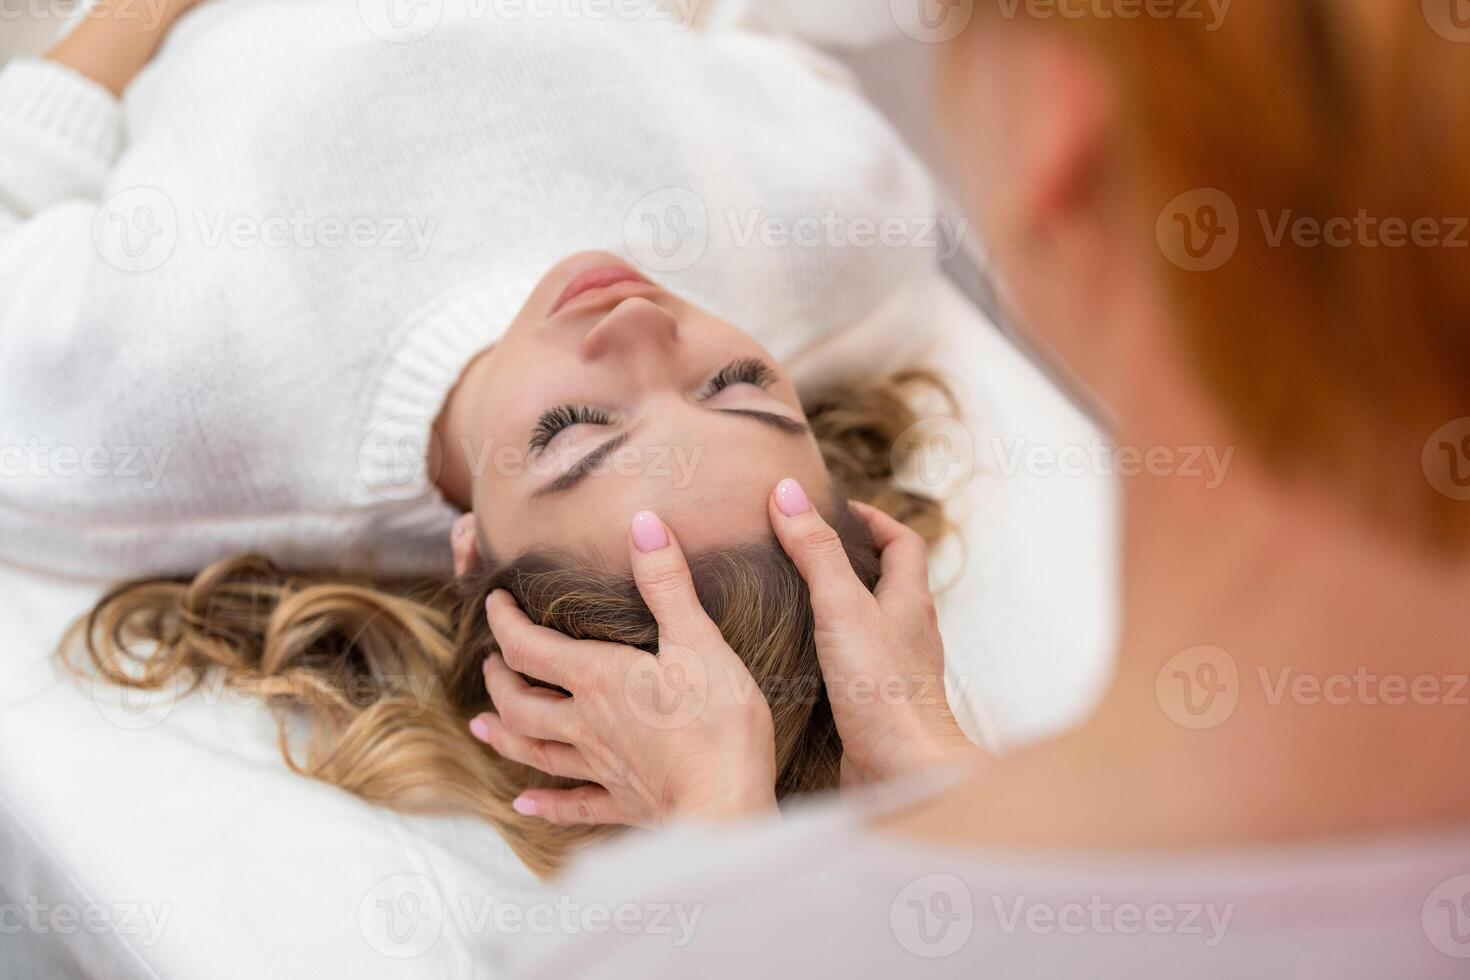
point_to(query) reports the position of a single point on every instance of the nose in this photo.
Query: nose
(636, 328)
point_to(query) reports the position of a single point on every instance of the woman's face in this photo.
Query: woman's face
(609, 395)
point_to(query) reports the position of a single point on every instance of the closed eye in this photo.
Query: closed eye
(554, 420)
(749, 370)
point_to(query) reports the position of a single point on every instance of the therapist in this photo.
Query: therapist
(1236, 232)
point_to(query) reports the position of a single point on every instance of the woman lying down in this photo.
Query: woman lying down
(361, 442)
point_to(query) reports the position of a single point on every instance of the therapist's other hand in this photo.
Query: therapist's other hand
(881, 654)
(686, 733)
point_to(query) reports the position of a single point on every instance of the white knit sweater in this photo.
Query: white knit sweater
(231, 306)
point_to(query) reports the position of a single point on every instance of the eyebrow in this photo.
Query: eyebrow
(583, 467)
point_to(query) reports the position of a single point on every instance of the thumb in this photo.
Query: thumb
(838, 595)
(665, 582)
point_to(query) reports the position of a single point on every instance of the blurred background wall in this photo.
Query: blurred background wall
(26, 26)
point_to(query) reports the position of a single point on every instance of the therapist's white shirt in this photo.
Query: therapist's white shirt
(824, 895)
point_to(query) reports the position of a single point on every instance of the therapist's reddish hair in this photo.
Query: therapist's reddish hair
(1336, 362)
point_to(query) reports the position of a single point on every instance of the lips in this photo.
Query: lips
(597, 280)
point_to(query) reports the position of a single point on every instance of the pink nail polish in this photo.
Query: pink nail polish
(648, 532)
(526, 806)
(479, 729)
(791, 498)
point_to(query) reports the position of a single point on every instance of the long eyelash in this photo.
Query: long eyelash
(750, 371)
(553, 420)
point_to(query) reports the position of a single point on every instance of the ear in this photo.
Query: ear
(1064, 138)
(465, 543)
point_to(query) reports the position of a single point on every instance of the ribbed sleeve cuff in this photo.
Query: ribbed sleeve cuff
(59, 132)
(438, 345)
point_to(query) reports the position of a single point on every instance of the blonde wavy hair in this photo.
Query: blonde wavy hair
(387, 674)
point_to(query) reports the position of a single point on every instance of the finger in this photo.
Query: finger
(583, 805)
(532, 712)
(838, 595)
(664, 581)
(535, 650)
(552, 758)
(904, 553)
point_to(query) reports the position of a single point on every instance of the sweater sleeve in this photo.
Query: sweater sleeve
(60, 134)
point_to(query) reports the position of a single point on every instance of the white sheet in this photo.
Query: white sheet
(181, 824)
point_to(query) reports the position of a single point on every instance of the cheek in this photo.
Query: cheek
(974, 117)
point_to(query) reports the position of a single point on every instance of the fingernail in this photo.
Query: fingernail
(479, 728)
(648, 532)
(791, 498)
(526, 806)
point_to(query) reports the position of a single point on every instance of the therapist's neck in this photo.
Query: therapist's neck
(1218, 550)
(1336, 649)
(1282, 576)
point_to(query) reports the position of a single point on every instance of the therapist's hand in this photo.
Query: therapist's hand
(686, 733)
(881, 654)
